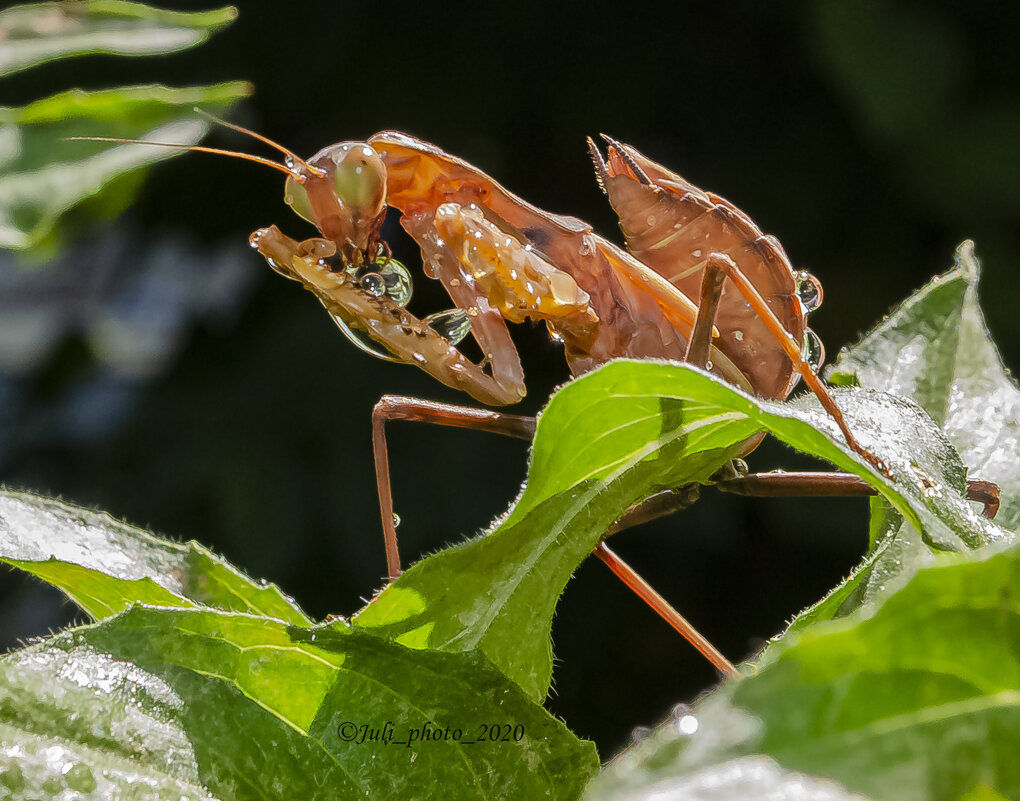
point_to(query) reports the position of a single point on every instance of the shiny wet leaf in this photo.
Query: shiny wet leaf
(77, 723)
(105, 566)
(181, 703)
(935, 349)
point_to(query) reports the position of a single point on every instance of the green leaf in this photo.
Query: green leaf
(614, 437)
(914, 697)
(43, 175)
(935, 349)
(271, 711)
(105, 565)
(40, 32)
(76, 723)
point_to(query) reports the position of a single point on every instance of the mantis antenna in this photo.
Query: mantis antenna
(297, 175)
(198, 148)
(264, 139)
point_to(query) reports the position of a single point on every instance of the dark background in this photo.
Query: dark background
(871, 138)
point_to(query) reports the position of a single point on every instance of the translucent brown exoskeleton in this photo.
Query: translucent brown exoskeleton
(502, 260)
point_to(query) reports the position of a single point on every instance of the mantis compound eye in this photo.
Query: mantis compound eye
(295, 196)
(359, 177)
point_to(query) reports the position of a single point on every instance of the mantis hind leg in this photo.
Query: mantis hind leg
(822, 484)
(718, 265)
(394, 407)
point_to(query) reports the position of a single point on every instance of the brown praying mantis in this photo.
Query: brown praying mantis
(699, 283)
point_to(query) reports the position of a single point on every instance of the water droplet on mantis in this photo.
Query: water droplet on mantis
(361, 340)
(812, 350)
(809, 290)
(399, 286)
(373, 283)
(453, 325)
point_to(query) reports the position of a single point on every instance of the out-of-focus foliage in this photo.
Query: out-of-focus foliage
(42, 175)
(45, 175)
(41, 32)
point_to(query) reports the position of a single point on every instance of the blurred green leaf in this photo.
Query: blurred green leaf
(43, 175)
(40, 32)
(899, 67)
(913, 698)
(616, 436)
(105, 566)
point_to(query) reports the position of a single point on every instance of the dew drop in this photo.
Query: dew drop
(688, 724)
(289, 161)
(418, 357)
(362, 341)
(396, 520)
(373, 283)
(650, 219)
(738, 336)
(809, 290)
(812, 350)
(397, 277)
(453, 325)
